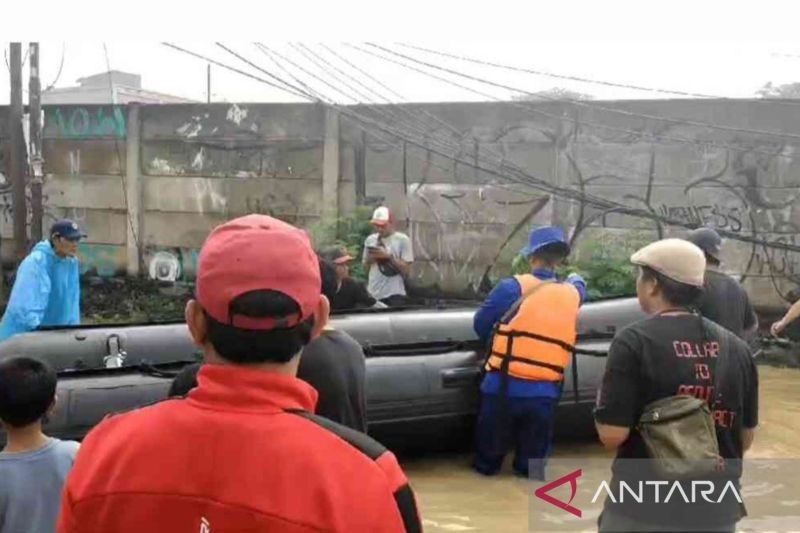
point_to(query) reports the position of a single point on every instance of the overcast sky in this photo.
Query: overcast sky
(721, 48)
(724, 69)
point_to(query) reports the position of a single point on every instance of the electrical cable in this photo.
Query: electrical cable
(653, 137)
(606, 83)
(60, 68)
(593, 105)
(421, 128)
(540, 184)
(597, 201)
(228, 67)
(122, 171)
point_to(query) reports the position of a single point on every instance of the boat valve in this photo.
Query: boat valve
(116, 355)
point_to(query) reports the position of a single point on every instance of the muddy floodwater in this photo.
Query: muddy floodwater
(453, 499)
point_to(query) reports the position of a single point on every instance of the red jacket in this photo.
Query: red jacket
(240, 454)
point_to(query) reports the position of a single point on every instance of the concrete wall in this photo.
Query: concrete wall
(182, 169)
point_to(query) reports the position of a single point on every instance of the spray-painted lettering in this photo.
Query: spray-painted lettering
(86, 122)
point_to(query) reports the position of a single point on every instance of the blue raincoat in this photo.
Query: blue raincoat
(46, 293)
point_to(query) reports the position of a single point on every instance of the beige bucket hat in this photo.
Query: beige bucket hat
(677, 259)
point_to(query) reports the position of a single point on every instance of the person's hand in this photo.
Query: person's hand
(778, 327)
(379, 254)
(576, 278)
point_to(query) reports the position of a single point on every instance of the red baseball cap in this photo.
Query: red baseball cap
(252, 253)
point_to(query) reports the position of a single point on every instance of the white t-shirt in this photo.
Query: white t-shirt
(398, 245)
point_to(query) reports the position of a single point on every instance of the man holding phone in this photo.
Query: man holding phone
(388, 255)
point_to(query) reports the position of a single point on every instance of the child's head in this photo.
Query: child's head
(27, 391)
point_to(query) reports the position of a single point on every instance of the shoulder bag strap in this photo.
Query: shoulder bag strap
(513, 309)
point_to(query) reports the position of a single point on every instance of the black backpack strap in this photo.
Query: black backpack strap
(403, 495)
(363, 443)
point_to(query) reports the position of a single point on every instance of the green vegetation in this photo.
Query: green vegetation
(604, 262)
(132, 300)
(349, 231)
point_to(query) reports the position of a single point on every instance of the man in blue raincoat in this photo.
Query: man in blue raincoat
(47, 289)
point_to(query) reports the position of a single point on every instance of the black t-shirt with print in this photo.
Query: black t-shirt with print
(725, 302)
(678, 354)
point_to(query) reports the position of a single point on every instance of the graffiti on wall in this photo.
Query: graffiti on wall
(742, 204)
(77, 122)
(451, 223)
(104, 260)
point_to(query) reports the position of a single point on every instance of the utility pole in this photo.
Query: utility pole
(35, 150)
(208, 82)
(16, 166)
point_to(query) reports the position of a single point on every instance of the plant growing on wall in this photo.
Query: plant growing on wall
(604, 262)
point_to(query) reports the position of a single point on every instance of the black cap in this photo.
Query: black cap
(707, 240)
(335, 254)
(67, 229)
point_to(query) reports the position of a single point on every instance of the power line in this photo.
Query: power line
(384, 110)
(391, 91)
(592, 105)
(424, 125)
(548, 74)
(314, 96)
(228, 67)
(378, 110)
(307, 73)
(569, 193)
(601, 202)
(60, 67)
(319, 95)
(363, 72)
(532, 109)
(588, 80)
(122, 171)
(540, 184)
(281, 84)
(315, 60)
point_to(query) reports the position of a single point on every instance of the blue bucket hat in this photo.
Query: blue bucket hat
(541, 237)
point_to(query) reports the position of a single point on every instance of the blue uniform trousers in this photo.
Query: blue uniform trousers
(527, 424)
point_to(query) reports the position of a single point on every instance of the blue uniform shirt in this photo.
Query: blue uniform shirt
(491, 311)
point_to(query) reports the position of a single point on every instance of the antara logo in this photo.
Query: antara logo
(706, 489)
(659, 492)
(572, 479)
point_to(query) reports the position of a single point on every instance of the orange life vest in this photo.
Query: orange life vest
(538, 340)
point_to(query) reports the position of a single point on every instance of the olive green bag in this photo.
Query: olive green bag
(679, 431)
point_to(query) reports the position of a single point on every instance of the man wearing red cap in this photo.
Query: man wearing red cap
(242, 452)
(388, 255)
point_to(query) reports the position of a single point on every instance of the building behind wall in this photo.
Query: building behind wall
(113, 87)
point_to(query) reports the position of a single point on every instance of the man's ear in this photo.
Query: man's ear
(52, 408)
(653, 287)
(196, 322)
(321, 316)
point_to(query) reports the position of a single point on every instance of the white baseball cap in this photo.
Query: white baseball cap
(382, 216)
(677, 259)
